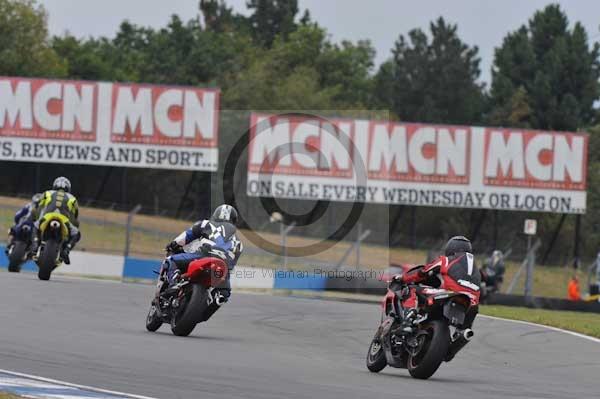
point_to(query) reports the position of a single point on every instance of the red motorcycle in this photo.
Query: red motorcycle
(439, 327)
(193, 300)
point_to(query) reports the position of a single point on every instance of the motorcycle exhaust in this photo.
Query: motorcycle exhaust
(461, 339)
(220, 299)
(468, 334)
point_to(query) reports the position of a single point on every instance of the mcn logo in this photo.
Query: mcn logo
(535, 159)
(129, 113)
(417, 153)
(337, 147)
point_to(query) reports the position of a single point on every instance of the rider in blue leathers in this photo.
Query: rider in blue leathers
(24, 216)
(213, 237)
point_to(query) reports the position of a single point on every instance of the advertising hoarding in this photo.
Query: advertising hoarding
(111, 124)
(308, 157)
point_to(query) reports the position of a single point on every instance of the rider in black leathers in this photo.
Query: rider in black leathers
(25, 216)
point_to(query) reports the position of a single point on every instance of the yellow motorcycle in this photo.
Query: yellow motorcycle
(54, 233)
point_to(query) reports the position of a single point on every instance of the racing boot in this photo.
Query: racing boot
(174, 280)
(64, 253)
(9, 245)
(408, 319)
(10, 241)
(35, 242)
(74, 237)
(35, 247)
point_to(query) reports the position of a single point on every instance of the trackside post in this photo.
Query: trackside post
(130, 216)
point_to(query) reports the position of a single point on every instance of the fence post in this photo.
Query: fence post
(576, 243)
(517, 275)
(358, 234)
(524, 265)
(363, 235)
(530, 265)
(130, 216)
(284, 232)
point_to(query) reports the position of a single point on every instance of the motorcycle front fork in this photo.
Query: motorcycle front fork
(162, 282)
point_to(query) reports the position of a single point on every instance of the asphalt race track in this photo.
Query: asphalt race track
(260, 346)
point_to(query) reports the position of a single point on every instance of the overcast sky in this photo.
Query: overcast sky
(480, 22)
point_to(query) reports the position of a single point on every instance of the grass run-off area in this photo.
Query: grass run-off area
(8, 396)
(581, 322)
(104, 231)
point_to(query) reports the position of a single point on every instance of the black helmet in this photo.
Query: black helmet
(61, 183)
(457, 244)
(225, 213)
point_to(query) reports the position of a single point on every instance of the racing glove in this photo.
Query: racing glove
(173, 247)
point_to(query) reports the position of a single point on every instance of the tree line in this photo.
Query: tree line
(545, 75)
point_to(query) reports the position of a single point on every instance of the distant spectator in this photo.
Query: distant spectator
(573, 289)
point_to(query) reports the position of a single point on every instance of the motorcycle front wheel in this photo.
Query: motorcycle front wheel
(16, 257)
(190, 311)
(154, 319)
(376, 356)
(433, 343)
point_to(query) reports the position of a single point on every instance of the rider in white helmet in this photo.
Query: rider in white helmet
(60, 199)
(212, 237)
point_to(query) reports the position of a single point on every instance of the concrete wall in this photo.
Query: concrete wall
(82, 263)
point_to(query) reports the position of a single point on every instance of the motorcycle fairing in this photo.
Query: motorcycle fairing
(62, 219)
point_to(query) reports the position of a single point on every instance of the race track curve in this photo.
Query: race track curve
(259, 346)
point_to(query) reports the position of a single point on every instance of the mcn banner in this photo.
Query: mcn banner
(416, 164)
(112, 124)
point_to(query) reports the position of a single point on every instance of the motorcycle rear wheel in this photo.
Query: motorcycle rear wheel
(184, 320)
(16, 256)
(424, 363)
(376, 356)
(47, 260)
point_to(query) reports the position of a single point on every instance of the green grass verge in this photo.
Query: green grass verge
(8, 396)
(581, 322)
(548, 281)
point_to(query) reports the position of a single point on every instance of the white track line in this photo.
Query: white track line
(528, 323)
(70, 385)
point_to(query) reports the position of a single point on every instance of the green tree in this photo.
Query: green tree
(219, 17)
(187, 54)
(551, 68)
(432, 80)
(347, 67)
(272, 18)
(306, 71)
(24, 44)
(516, 112)
(179, 53)
(86, 59)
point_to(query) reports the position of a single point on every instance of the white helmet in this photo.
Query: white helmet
(62, 183)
